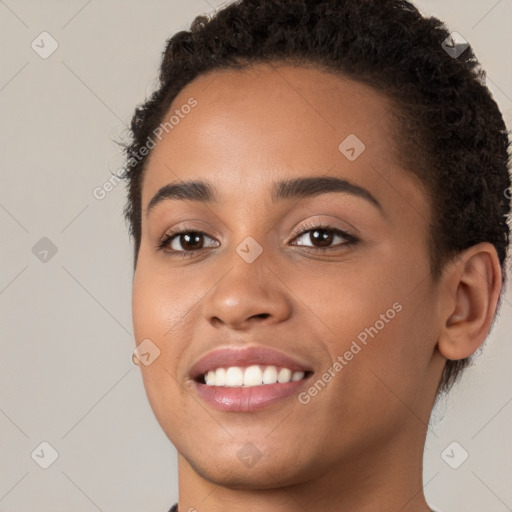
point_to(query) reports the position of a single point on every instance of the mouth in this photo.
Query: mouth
(250, 376)
(248, 379)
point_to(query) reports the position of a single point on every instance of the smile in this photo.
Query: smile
(251, 376)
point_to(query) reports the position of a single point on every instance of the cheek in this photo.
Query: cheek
(157, 312)
(397, 344)
(159, 302)
(156, 317)
(164, 310)
(345, 299)
(378, 314)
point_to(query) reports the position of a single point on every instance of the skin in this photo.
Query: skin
(358, 444)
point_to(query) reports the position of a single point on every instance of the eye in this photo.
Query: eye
(323, 236)
(184, 243)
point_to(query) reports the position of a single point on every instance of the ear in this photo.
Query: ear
(470, 294)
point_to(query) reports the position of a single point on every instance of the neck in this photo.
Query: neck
(387, 478)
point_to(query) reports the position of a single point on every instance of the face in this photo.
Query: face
(306, 259)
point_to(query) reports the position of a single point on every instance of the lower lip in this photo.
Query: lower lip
(247, 399)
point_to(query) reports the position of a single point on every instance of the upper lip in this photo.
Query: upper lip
(246, 356)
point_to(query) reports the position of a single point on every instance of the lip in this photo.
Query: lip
(243, 357)
(247, 399)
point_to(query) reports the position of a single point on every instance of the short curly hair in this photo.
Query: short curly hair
(452, 136)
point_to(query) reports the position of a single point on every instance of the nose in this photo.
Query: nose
(247, 294)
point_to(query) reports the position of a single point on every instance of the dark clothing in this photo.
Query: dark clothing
(174, 508)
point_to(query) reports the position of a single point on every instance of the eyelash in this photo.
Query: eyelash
(306, 228)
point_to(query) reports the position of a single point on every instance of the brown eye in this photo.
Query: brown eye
(184, 242)
(322, 237)
(190, 241)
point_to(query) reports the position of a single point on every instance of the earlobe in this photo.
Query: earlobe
(472, 285)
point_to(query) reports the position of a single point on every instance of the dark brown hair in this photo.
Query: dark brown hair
(450, 132)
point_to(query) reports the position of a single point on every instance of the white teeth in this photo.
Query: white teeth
(234, 377)
(210, 378)
(255, 375)
(284, 375)
(270, 375)
(220, 377)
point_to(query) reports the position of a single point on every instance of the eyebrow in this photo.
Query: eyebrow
(203, 191)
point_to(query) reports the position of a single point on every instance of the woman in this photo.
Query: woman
(316, 197)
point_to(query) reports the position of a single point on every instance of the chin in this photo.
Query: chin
(233, 475)
(234, 468)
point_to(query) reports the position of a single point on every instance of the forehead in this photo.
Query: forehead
(254, 126)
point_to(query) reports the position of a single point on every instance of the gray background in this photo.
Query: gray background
(66, 375)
